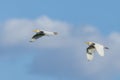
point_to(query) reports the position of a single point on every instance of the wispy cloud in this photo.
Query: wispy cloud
(17, 31)
(65, 54)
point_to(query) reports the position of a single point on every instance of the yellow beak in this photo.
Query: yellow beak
(37, 30)
(86, 42)
(34, 30)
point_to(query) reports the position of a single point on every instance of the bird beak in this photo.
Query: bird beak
(34, 30)
(37, 30)
(86, 42)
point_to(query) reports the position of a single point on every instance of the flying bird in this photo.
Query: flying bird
(94, 47)
(41, 33)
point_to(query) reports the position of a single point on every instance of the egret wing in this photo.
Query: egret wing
(100, 49)
(37, 35)
(89, 57)
(90, 53)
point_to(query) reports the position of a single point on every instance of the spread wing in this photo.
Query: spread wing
(89, 56)
(100, 49)
(90, 52)
(36, 36)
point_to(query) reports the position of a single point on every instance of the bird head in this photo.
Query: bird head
(36, 30)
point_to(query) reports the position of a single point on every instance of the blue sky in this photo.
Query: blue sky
(61, 57)
(104, 13)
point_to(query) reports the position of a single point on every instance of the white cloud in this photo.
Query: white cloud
(115, 37)
(16, 31)
(20, 31)
(69, 54)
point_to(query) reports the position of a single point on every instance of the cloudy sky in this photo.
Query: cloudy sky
(61, 57)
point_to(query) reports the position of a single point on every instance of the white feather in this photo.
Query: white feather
(47, 33)
(100, 49)
(89, 56)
